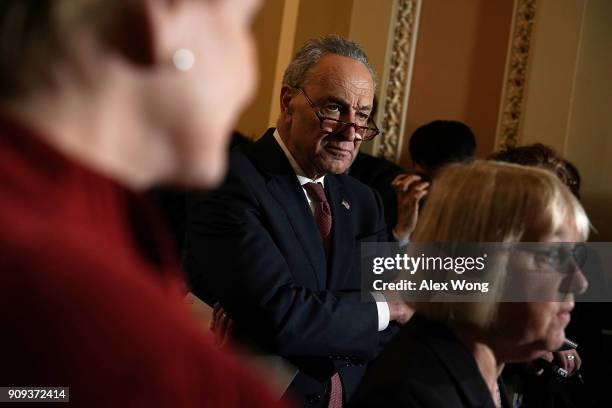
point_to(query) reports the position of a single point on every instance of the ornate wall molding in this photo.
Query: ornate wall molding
(399, 72)
(516, 74)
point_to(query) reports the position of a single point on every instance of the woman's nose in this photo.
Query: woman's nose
(575, 282)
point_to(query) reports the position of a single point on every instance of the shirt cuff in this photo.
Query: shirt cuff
(384, 314)
(401, 242)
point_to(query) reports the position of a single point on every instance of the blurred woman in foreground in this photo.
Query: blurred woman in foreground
(99, 100)
(451, 354)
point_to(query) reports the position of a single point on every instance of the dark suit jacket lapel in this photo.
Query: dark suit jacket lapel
(284, 186)
(461, 367)
(342, 233)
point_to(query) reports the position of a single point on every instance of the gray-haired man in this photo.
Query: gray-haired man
(279, 245)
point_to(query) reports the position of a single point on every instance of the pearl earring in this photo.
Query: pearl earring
(183, 59)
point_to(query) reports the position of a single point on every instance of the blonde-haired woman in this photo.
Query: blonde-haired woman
(451, 354)
(99, 100)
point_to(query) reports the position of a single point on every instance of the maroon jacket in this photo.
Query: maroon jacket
(90, 292)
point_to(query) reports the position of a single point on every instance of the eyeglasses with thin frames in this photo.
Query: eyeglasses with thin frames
(556, 256)
(331, 125)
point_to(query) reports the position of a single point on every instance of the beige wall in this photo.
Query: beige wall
(551, 72)
(459, 67)
(285, 53)
(589, 140)
(370, 27)
(267, 30)
(569, 96)
(320, 17)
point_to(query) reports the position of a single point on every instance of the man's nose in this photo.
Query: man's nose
(350, 132)
(350, 129)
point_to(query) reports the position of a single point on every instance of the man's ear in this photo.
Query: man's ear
(286, 97)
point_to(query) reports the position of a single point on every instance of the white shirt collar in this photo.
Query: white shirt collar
(294, 164)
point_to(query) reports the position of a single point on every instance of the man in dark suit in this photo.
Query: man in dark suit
(278, 246)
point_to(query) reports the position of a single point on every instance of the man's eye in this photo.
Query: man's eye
(332, 108)
(363, 116)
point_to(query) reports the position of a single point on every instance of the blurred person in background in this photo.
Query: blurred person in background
(440, 143)
(432, 146)
(544, 157)
(100, 100)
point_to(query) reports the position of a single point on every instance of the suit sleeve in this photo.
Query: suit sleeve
(232, 258)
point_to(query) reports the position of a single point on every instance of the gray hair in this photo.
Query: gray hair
(313, 50)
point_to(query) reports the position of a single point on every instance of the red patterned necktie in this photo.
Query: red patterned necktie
(322, 213)
(323, 219)
(335, 397)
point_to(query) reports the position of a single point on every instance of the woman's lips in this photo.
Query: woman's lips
(565, 313)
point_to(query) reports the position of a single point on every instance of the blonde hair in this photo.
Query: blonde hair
(493, 202)
(34, 35)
